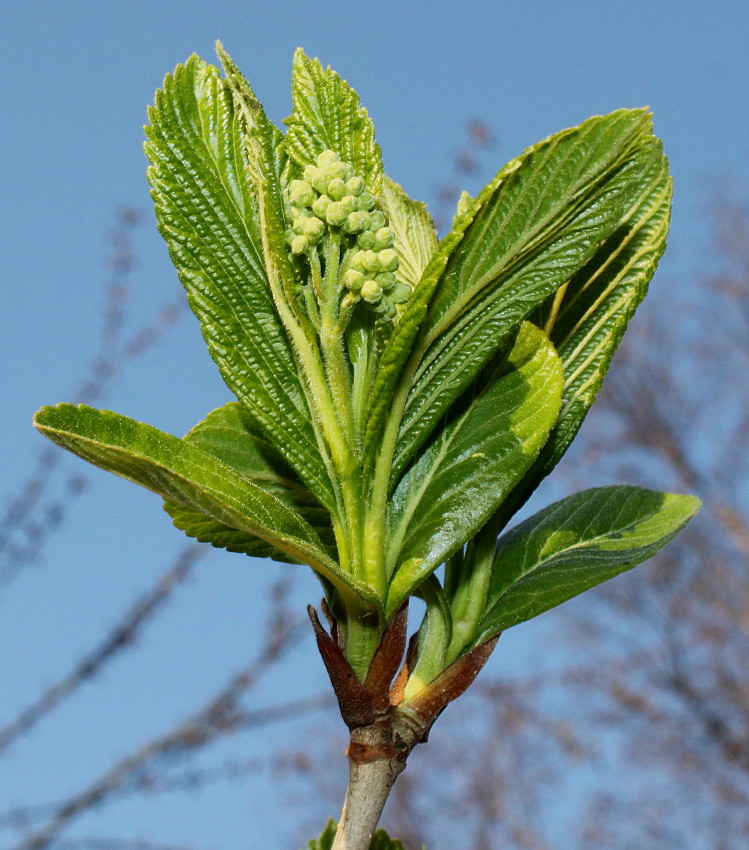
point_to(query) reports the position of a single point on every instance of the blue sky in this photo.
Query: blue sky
(77, 78)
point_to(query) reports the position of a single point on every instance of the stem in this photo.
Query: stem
(375, 762)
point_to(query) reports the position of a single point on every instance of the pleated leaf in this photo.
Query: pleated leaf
(398, 354)
(538, 223)
(575, 544)
(415, 236)
(190, 476)
(230, 435)
(327, 115)
(588, 318)
(461, 477)
(206, 207)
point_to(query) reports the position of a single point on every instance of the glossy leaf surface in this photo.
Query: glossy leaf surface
(538, 223)
(476, 459)
(184, 473)
(230, 435)
(206, 209)
(575, 544)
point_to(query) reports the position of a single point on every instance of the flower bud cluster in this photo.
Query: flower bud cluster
(332, 195)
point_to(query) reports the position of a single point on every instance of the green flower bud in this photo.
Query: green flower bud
(353, 280)
(319, 179)
(371, 291)
(353, 223)
(320, 207)
(327, 157)
(367, 202)
(309, 172)
(386, 280)
(301, 193)
(355, 186)
(339, 171)
(377, 220)
(366, 240)
(400, 293)
(385, 310)
(348, 202)
(384, 238)
(335, 214)
(336, 188)
(388, 260)
(299, 244)
(370, 261)
(312, 228)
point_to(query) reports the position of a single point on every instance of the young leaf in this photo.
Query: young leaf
(327, 116)
(399, 347)
(415, 236)
(474, 462)
(537, 224)
(184, 473)
(575, 544)
(206, 209)
(380, 840)
(588, 318)
(230, 435)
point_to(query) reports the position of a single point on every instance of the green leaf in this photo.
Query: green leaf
(327, 116)
(575, 544)
(398, 351)
(415, 236)
(230, 435)
(184, 473)
(380, 840)
(476, 459)
(538, 223)
(588, 318)
(207, 211)
(326, 839)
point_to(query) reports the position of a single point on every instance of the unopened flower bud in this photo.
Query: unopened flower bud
(348, 202)
(301, 193)
(353, 223)
(312, 228)
(384, 238)
(336, 188)
(371, 291)
(327, 157)
(299, 244)
(319, 179)
(388, 260)
(335, 214)
(366, 202)
(370, 261)
(353, 280)
(366, 240)
(400, 293)
(386, 280)
(339, 170)
(385, 310)
(377, 221)
(320, 207)
(355, 186)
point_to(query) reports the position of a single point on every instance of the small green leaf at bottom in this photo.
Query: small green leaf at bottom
(380, 840)
(575, 544)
